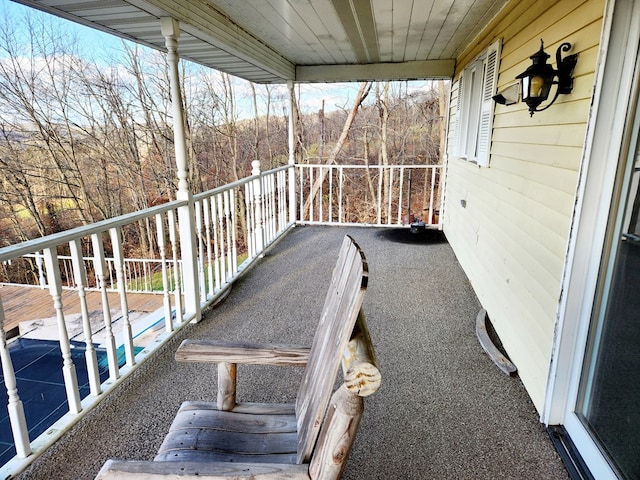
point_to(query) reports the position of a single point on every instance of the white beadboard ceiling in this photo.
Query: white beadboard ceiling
(272, 41)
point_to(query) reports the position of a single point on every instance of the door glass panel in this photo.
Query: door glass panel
(609, 398)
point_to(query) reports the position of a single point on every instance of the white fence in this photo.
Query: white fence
(227, 229)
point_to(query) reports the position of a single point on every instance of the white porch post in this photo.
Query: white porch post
(292, 157)
(186, 215)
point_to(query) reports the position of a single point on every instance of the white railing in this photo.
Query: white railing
(227, 229)
(376, 195)
(230, 226)
(141, 273)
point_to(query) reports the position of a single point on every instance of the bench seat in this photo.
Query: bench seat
(310, 439)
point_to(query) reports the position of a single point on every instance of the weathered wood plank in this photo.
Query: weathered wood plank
(253, 408)
(242, 353)
(342, 305)
(206, 456)
(141, 470)
(234, 421)
(211, 439)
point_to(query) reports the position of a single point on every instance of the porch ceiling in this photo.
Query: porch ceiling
(272, 41)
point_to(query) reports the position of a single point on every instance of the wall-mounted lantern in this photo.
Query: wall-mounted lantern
(536, 81)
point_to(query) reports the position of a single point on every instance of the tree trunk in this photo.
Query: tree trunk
(365, 87)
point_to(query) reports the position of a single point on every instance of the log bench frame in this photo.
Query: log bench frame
(309, 440)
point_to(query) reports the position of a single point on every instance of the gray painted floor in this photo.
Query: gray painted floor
(444, 411)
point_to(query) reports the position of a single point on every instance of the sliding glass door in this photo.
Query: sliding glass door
(608, 401)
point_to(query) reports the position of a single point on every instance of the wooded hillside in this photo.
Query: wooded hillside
(82, 140)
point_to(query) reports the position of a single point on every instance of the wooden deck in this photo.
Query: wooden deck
(31, 303)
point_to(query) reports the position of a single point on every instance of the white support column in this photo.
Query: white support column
(186, 222)
(292, 157)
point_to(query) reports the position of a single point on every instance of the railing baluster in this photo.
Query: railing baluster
(268, 216)
(301, 189)
(330, 205)
(320, 191)
(206, 210)
(166, 298)
(258, 206)
(221, 238)
(41, 275)
(177, 273)
(68, 277)
(248, 201)
(80, 275)
(228, 225)
(341, 182)
(272, 207)
(400, 197)
(282, 176)
(390, 196)
(200, 240)
(216, 250)
(15, 408)
(380, 199)
(278, 202)
(432, 194)
(234, 229)
(99, 267)
(127, 340)
(311, 199)
(68, 368)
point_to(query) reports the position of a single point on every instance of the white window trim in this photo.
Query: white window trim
(474, 112)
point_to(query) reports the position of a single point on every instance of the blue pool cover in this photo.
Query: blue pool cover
(38, 369)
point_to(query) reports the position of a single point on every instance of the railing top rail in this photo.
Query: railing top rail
(317, 165)
(230, 186)
(37, 244)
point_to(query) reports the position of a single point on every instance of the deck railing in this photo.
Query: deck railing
(142, 274)
(376, 195)
(230, 227)
(227, 229)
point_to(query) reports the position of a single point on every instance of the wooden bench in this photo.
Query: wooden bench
(310, 439)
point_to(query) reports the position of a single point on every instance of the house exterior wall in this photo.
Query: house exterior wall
(509, 222)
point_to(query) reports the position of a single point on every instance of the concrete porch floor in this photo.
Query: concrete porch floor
(444, 411)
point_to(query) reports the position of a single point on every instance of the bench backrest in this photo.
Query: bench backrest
(341, 308)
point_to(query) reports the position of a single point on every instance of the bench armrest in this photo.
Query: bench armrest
(145, 470)
(242, 353)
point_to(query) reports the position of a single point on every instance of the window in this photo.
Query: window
(474, 110)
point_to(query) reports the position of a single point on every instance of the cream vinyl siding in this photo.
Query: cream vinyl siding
(511, 234)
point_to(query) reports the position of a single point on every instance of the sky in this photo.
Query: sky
(105, 48)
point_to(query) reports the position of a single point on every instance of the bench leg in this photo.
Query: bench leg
(226, 386)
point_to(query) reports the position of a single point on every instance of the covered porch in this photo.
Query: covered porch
(444, 409)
